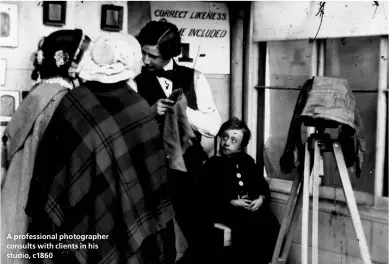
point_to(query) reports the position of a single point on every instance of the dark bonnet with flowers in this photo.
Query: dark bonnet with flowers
(59, 53)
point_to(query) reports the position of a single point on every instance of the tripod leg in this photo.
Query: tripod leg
(305, 209)
(315, 202)
(288, 217)
(289, 236)
(351, 203)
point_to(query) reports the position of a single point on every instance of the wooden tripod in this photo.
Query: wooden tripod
(317, 143)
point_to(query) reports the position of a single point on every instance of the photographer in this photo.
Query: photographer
(161, 76)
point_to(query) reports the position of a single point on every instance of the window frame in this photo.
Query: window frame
(260, 53)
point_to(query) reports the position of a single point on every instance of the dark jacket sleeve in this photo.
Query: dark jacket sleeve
(289, 160)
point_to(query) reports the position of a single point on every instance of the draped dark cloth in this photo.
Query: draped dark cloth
(331, 99)
(101, 169)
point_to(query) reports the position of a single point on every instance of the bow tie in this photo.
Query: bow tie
(165, 74)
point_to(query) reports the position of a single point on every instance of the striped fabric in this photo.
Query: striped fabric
(101, 169)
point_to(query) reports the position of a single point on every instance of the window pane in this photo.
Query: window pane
(289, 62)
(355, 59)
(289, 66)
(367, 105)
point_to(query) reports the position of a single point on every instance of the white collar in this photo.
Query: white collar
(57, 80)
(169, 66)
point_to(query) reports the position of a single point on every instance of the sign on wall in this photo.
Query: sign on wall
(205, 33)
(281, 20)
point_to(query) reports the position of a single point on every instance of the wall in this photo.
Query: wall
(79, 14)
(337, 240)
(88, 14)
(85, 15)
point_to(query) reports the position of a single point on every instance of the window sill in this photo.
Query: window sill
(333, 199)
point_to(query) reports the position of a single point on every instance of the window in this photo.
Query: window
(288, 66)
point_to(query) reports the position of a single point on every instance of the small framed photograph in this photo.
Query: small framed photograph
(111, 18)
(54, 13)
(10, 101)
(9, 25)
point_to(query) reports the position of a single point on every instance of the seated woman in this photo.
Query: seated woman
(240, 196)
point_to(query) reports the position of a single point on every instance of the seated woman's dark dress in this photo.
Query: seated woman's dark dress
(254, 234)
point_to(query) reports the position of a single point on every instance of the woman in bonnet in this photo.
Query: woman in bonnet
(55, 65)
(101, 168)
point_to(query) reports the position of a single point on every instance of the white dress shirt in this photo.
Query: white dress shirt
(206, 119)
(166, 84)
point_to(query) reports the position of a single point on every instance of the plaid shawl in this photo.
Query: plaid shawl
(101, 169)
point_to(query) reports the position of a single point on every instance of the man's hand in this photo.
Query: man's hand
(161, 106)
(254, 206)
(241, 203)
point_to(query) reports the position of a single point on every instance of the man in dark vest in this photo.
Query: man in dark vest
(161, 75)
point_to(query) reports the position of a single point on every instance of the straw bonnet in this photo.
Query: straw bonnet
(111, 59)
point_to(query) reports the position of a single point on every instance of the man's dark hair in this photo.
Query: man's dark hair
(236, 123)
(165, 35)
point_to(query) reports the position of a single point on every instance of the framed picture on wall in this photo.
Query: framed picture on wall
(111, 18)
(54, 13)
(10, 101)
(9, 25)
